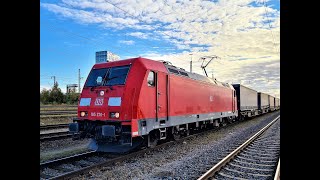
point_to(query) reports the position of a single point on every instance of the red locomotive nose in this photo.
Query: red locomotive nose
(100, 103)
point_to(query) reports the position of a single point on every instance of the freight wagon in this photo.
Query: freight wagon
(247, 101)
(263, 102)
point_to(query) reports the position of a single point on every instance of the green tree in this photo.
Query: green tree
(72, 98)
(45, 96)
(56, 96)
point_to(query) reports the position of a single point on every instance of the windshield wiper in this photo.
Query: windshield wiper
(107, 79)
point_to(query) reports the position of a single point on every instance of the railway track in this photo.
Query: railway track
(54, 126)
(60, 169)
(46, 167)
(58, 112)
(54, 136)
(79, 164)
(54, 132)
(58, 116)
(257, 158)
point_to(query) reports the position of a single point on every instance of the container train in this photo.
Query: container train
(136, 102)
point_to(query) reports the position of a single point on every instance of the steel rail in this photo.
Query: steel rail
(277, 175)
(54, 136)
(229, 157)
(54, 126)
(57, 112)
(66, 159)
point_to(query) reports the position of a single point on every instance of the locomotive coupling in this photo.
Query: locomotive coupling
(74, 127)
(108, 130)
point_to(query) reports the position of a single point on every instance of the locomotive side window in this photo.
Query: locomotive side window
(151, 79)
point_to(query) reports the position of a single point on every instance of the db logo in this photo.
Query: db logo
(98, 102)
(211, 98)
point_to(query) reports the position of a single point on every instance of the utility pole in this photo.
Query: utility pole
(54, 80)
(191, 62)
(79, 82)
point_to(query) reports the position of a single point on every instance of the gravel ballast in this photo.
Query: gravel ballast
(258, 160)
(184, 160)
(50, 150)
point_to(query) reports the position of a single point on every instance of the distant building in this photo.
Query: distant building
(71, 88)
(106, 56)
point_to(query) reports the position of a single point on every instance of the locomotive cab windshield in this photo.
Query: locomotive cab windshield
(108, 76)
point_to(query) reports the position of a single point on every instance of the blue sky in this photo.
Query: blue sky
(72, 31)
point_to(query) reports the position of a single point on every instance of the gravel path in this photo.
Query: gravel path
(186, 160)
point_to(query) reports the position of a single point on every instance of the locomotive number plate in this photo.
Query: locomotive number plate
(98, 114)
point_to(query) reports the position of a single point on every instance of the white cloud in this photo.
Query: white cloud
(186, 22)
(139, 35)
(130, 42)
(232, 30)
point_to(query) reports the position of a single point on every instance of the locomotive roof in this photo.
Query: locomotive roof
(155, 65)
(195, 76)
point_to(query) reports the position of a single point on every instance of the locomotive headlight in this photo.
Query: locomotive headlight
(82, 113)
(101, 93)
(114, 115)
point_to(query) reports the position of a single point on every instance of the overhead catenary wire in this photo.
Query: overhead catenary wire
(269, 22)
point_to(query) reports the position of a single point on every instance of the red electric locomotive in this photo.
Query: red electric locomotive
(133, 102)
